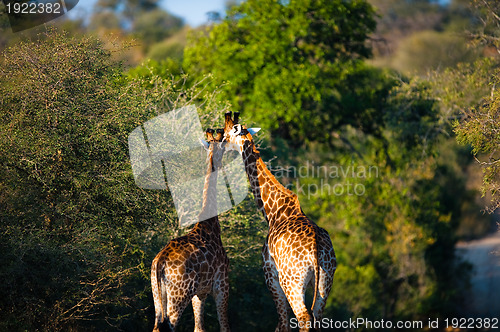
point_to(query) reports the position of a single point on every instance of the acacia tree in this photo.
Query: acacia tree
(70, 213)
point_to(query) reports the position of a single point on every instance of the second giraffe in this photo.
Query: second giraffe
(297, 252)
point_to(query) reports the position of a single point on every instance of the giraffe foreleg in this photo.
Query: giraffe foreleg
(279, 297)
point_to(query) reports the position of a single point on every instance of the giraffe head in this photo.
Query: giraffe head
(215, 147)
(237, 136)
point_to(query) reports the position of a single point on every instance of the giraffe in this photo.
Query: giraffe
(190, 267)
(297, 252)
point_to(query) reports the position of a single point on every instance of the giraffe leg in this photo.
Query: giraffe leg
(294, 285)
(297, 302)
(198, 304)
(177, 302)
(221, 296)
(279, 297)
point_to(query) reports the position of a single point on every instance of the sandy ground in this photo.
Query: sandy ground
(484, 295)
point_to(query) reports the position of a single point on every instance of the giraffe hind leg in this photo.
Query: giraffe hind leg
(198, 305)
(221, 296)
(296, 298)
(176, 306)
(294, 284)
(327, 267)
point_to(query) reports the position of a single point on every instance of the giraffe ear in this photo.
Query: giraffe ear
(204, 144)
(253, 131)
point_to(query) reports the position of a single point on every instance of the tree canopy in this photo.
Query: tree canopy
(286, 62)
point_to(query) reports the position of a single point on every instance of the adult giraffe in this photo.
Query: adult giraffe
(190, 267)
(297, 252)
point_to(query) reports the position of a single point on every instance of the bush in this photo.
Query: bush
(77, 235)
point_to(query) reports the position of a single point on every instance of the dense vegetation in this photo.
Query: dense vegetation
(369, 146)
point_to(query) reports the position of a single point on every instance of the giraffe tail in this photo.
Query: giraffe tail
(162, 323)
(316, 271)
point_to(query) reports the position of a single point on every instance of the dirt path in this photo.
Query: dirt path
(484, 255)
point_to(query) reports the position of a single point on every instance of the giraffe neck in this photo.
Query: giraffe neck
(208, 216)
(273, 199)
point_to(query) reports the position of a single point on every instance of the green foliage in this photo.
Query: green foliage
(487, 31)
(458, 93)
(464, 86)
(243, 234)
(363, 97)
(412, 115)
(285, 63)
(69, 206)
(479, 128)
(166, 49)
